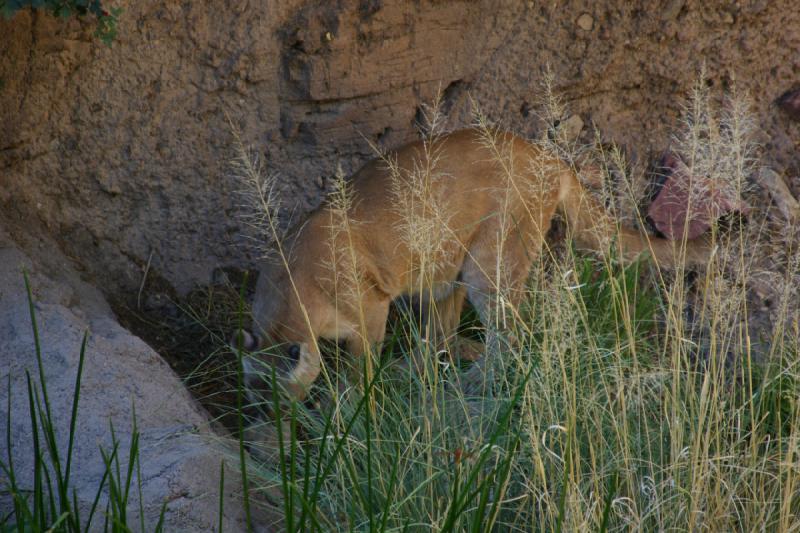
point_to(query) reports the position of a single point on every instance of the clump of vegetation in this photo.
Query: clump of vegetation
(633, 399)
(106, 18)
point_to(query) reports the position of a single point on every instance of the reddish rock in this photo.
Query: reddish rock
(685, 196)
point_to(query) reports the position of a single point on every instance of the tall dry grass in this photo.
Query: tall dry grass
(633, 399)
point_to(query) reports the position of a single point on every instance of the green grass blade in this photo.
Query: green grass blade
(76, 516)
(368, 437)
(387, 505)
(39, 520)
(562, 500)
(99, 491)
(307, 460)
(504, 477)
(221, 494)
(318, 478)
(9, 468)
(133, 454)
(38, 346)
(106, 516)
(611, 491)
(285, 484)
(161, 516)
(51, 500)
(239, 413)
(74, 414)
(55, 526)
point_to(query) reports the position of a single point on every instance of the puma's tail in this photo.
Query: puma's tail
(593, 228)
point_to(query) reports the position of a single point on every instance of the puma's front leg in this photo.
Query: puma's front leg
(309, 364)
(368, 335)
(368, 325)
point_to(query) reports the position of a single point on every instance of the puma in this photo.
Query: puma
(493, 197)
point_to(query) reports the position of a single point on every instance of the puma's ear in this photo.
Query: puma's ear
(245, 340)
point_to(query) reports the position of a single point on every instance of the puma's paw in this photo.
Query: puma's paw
(467, 349)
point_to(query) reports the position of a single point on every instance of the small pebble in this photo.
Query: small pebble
(585, 22)
(672, 10)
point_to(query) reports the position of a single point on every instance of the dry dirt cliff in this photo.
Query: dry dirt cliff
(120, 152)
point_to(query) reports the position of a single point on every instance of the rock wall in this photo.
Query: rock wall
(121, 152)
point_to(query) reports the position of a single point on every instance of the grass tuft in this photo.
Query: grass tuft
(632, 400)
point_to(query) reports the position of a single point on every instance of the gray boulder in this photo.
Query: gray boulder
(180, 456)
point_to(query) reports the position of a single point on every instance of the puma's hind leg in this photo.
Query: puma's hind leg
(495, 278)
(438, 318)
(449, 311)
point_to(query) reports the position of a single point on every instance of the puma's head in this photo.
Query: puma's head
(267, 368)
(267, 363)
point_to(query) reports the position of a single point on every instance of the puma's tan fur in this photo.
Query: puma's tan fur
(493, 201)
